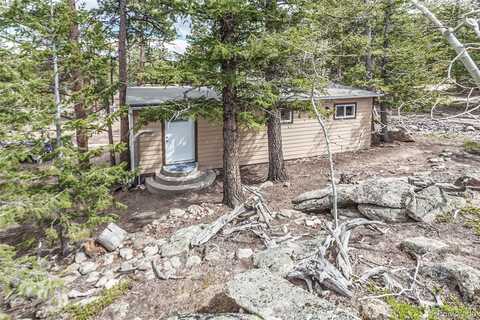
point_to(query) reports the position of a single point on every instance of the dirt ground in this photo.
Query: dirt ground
(200, 290)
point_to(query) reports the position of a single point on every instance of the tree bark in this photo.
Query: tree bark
(277, 172)
(122, 75)
(388, 12)
(232, 184)
(141, 61)
(108, 103)
(276, 164)
(77, 84)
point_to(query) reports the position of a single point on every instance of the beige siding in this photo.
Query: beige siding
(301, 139)
(150, 147)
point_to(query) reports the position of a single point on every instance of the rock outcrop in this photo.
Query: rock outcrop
(270, 297)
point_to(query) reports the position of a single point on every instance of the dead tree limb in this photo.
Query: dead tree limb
(452, 39)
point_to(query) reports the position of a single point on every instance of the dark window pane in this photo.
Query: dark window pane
(349, 112)
(286, 115)
(340, 111)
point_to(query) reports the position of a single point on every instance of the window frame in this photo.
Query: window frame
(290, 111)
(344, 117)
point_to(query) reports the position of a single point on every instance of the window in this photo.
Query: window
(286, 116)
(346, 111)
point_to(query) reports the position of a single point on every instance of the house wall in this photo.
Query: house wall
(301, 139)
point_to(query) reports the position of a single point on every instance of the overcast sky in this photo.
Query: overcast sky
(183, 29)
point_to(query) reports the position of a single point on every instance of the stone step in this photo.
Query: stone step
(205, 180)
(180, 169)
(181, 180)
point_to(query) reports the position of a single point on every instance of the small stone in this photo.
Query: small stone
(74, 294)
(93, 277)
(126, 267)
(375, 309)
(193, 261)
(87, 267)
(435, 160)
(178, 213)
(267, 184)
(423, 245)
(470, 128)
(107, 259)
(150, 250)
(111, 283)
(212, 256)
(176, 262)
(244, 253)
(112, 237)
(80, 257)
(286, 184)
(126, 253)
(195, 210)
(104, 279)
(289, 213)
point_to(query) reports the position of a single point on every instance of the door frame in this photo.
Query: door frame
(195, 142)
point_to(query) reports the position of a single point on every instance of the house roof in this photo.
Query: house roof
(149, 96)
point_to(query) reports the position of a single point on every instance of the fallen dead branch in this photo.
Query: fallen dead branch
(319, 270)
(253, 208)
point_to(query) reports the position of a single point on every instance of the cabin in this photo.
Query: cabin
(181, 155)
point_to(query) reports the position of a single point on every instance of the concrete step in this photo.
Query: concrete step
(175, 181)
(179, 170)
(203, 181)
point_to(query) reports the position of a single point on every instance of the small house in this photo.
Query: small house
(179, 155)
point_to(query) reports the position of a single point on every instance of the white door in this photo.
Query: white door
(179, 141)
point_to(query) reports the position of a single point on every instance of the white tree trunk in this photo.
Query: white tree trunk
(449, 34)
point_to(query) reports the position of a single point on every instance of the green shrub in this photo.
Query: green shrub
(90, 310)
(472, 146)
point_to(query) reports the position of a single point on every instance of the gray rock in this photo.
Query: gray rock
(278, 260)
(178, 213)
(80, 257)
(87, 267)
(193, 261)
(74, 294)
(106, 277)
(469, 180)
(464, 277)
(126, 253)
(289, 213)
(427, 204)
(112, 237)
(470, 128)
(180, 241)
(319, 200)
(281, 260)
(92, 277)
(195, 210)
(150, 250)
(117, 311)
(127, 267)
(224, 316)
(390, 215)
(143, 217)
(423, 245)
(383, 192)
(349, 213)
(244, 253)
(261, 293)
(375, 309)
(176, 262)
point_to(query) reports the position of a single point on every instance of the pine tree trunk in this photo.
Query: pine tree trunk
(277, 172)
(141, 61)
(77, 85)
(122, 75)
(276, 164)
(232, 184)
(388, 12)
